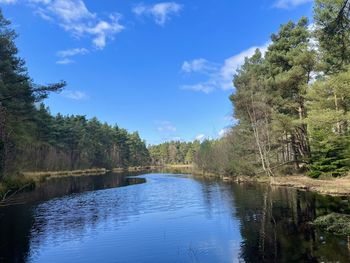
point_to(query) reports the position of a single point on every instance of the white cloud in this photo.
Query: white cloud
(65, 55)
(72, 52)
(160, 12)
(7, 2)
(165, 126)
(199, 65)
(223, 132)
(231, 119)
(285, 4)
(69, 10)
(205, 87)
(220, 77)
(74, 17)
(231, 65)
(74, 95)
(200, 137)
(100, 31)
(64, 61)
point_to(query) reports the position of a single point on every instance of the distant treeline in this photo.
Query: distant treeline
(32, 139)
(174, 152)
(292, 102)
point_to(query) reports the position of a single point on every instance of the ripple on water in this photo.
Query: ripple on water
(172, 218)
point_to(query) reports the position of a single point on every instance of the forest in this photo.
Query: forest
(291, 102)
(32, 139)
(174, 152)
(273, 187)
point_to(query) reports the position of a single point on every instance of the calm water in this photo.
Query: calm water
(167, 218)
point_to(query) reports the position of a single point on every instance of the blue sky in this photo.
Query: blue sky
(161, 68)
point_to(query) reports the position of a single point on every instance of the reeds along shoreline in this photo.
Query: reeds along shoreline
(329, 186)
(37, 176)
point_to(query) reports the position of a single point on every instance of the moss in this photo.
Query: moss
(336, 223)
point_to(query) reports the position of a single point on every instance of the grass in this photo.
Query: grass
(132, 169)
(332, 186)
(150, 167)
(10, 186)
(40, 176)
(326, 185)
(179, 166)
(335, 223)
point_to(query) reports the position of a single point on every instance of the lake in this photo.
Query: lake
(163, 217)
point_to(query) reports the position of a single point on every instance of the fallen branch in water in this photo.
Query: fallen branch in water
(14, 193)
(4, 197)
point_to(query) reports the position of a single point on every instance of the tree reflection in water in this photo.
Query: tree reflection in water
(275, 225)
(195, 220)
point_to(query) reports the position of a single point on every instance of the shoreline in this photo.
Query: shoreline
(42, 175)
(326, 186)
(335, 187)
(332, 186)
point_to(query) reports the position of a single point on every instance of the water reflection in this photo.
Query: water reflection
(18, 220)
(275, 225)
(170, 218)
(56, 187)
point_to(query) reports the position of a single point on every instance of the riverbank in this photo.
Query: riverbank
(333, 186)
(328, 186)
(28, 180)
(39, 176)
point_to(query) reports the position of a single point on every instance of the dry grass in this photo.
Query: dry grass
(179, 166)
(38, 176)
(132, 169)
(150, 167)
(331, 186)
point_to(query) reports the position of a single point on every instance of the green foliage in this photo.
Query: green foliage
(331, 155)
(32, 139)
(174, 152)
(293, 103)
(333, 34)
(231, 155)
(328, 104)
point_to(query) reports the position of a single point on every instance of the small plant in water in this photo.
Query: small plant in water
(336, 223)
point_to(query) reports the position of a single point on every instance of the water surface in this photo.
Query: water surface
(167, 218)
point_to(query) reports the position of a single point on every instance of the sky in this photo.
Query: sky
(163, 69)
